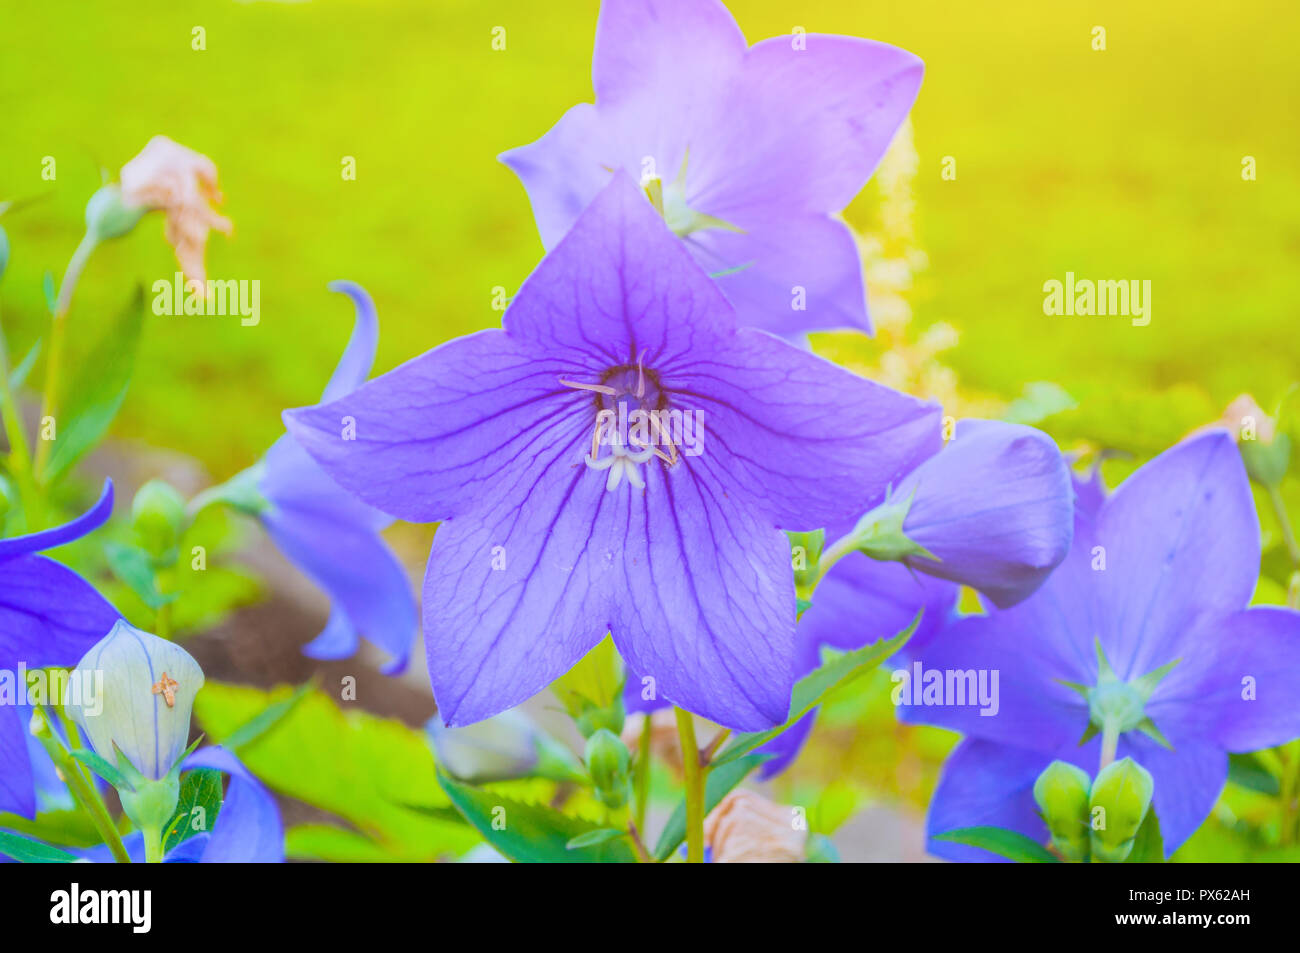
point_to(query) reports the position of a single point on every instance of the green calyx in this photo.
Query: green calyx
(1116, 706)
(880, 534)
(1061, 793)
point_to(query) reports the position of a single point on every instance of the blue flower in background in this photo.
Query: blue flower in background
(1141, 643)
(750, 152)
(49, 616)
(331, 535)
(560, 528)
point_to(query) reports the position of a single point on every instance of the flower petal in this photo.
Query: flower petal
(1181, 538)
(17, 791)
(84, 524)
(1236, 683)
(359, 355)
(707, 607)
(803, 127)
(666, 49)
(1188, 781)
(787, 275)
(794, 437)
(985, 785)
(49, 615)
(248, 828)
(995, 506)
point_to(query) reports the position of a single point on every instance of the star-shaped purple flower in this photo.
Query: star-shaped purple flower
(619, 458)
(49, 616)
(1141, 640)
(749, 151)
(334, 537)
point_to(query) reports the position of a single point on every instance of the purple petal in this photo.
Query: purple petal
(359, 355)
(84, 524)
(707, 606)
(1235, 682)
(1188, 780)
(803, 129)
(49, 615)
(669, 49)
(1181, 538)
(796, 438)
(17, 792)
(995, 506)
(789, 274)
(986, 785)
(248, 828)
(786, 746)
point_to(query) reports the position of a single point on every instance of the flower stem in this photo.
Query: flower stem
(152, 845)
(1109, 744)
(642, 789)
(694, 787)
(54, 361)
(1288, 534)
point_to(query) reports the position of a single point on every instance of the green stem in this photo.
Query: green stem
(54, 361)
(1288, 534)
(694, 787)
(1109, 744)
(152, 845)
(82, 789)
(642, 789)
(1290, 791)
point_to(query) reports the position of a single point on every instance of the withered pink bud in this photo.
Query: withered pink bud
(1244, 418)
(747, 828)
(183, 184)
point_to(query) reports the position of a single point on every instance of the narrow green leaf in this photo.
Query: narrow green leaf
(1245, 770)
(722, 778)
(816, 685)
(1010, 844)
(47, 286)
(201, 792)
(592, 838)
(96, 389)
(18, 376)
(530, 833)
(265, 720)
(134, 567)
(28, 851)
(101, 767)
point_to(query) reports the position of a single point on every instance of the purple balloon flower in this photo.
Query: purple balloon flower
(49, 616)
(619, 458)
(332, 536)
(749, 151)
(1141, 639)
(995, 508)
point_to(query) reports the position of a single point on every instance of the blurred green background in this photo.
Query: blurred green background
(1117, 164)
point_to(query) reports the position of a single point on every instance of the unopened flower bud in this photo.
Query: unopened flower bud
(498, 749)
(1121, 797)
(805, 553)
(108, 216)
(158, 518)
(133, 699)
(747, 828)
(1061, 793)
(607, 761)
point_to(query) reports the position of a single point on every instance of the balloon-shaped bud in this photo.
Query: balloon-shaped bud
(1121, 797)
(135, 695)
(108, 216)
(158, 517)
(1061, 793)
(607, 761)
(498, 749)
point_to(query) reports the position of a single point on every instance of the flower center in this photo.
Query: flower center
(630, 424)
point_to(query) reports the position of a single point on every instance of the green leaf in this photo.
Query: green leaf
(1245, 770)
(134, 567)
(267, 718)
(96, 389)
(201, 790)
(1038, 401)
(28, 851)
(592, 838)
(19, 374)
(721, 779)
(47, 287)
(1148, 844)
(101, 767)
(813, 687)
(531, 833)
(357, 766)
(1010, 844)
